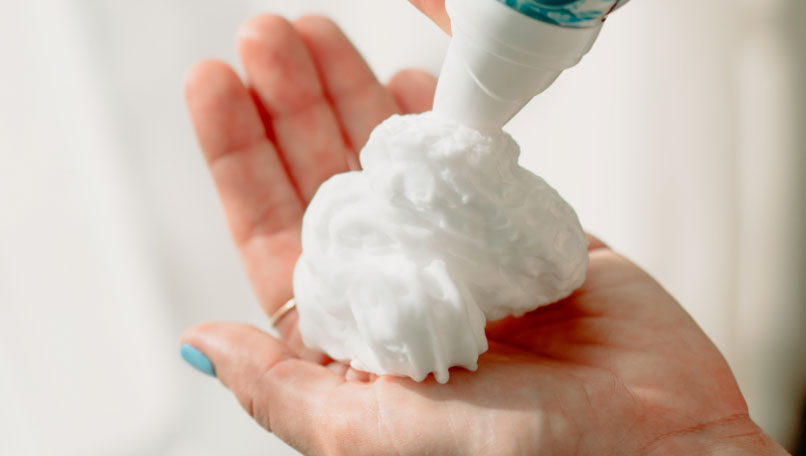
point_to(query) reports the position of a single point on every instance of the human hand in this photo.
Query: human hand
(309, 104)
(435, 10)
(616, 368)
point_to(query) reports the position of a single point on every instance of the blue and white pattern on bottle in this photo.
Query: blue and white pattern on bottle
(567, 13)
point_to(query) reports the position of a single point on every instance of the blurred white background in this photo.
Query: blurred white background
(680, 140)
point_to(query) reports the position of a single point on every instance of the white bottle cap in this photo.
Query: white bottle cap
(499, 59)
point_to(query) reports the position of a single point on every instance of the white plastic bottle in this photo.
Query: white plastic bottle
(504, 52)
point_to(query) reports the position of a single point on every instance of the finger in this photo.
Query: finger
(413, 90)
(283, 394)
(359, 100)
(435, 9)
(261, 204)
(288, 328)
(594, 243)
(256, 193)
(283, 75)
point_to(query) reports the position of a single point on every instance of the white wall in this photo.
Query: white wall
(679, 139)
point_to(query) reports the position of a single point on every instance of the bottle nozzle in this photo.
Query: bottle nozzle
(499, 59)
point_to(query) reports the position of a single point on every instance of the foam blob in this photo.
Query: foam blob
(404, 262)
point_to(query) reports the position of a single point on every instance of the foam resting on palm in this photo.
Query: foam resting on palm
(404, 262)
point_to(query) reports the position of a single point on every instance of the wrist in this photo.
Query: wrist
(736, 435)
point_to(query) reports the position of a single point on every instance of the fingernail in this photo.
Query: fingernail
(197, 359)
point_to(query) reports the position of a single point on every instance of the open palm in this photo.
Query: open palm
(616, 368)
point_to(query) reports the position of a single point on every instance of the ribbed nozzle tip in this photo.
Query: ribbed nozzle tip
(499, 59)
(483, 91)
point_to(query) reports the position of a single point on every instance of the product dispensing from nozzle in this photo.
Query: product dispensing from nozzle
(405, 261)
(504, 52)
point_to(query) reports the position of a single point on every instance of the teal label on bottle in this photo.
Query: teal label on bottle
(567, 13)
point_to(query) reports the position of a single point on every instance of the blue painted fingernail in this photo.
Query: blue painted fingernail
(197, 359)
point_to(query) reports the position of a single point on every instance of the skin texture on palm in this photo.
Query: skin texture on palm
(616, 368)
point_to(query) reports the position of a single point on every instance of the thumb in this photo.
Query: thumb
(435, 9)
(280, 391)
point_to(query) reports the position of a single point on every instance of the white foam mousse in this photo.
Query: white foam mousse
(404, 262)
